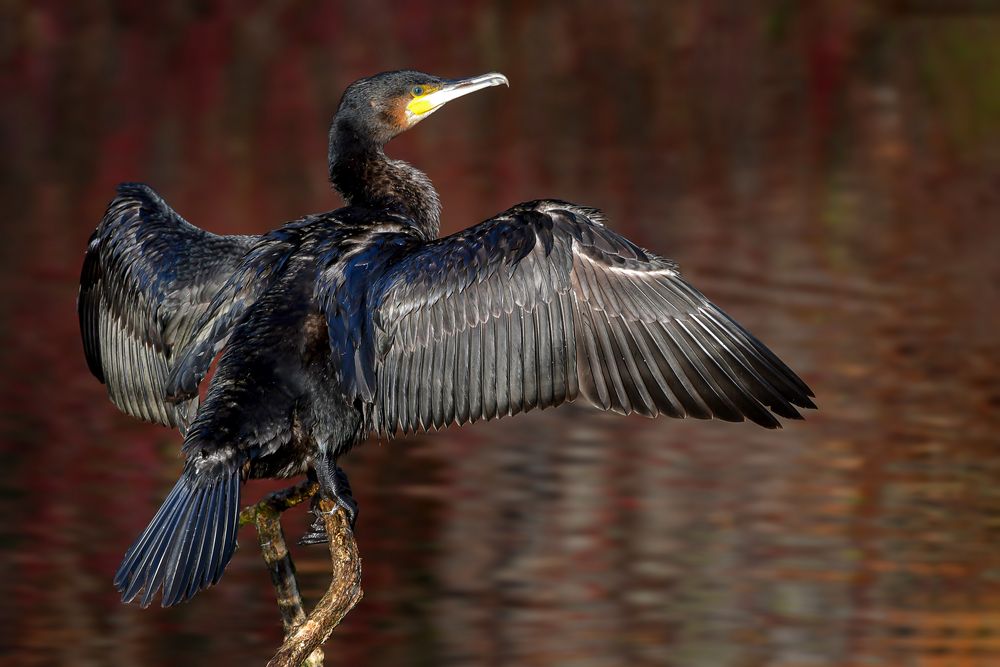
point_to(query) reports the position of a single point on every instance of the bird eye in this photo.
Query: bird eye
(417, 91)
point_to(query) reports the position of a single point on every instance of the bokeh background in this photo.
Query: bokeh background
(828, 172)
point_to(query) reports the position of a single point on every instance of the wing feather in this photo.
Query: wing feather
(501, 379)
(475, 377)
(448, 398)
(543, 303)
(147, 277)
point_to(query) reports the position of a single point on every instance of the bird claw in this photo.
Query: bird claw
(334, 486)
(350, 506)
(317, 531)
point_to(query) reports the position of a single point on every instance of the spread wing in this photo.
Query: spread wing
(147, 277)
(542, 304)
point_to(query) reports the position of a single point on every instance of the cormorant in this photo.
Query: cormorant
(362, 321)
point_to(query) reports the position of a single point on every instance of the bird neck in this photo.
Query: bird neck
(365, 176)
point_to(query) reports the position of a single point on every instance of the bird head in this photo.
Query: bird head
(379, 107)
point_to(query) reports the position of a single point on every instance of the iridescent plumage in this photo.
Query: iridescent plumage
(360, 321)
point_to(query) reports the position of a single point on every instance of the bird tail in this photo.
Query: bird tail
(189, 542)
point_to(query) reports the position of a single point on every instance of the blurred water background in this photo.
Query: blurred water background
(828, 172)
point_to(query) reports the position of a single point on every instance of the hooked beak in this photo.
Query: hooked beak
(420, 107)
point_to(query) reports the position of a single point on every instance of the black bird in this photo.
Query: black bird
(362, 321)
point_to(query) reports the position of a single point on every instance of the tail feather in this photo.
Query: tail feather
(142, 560)
(210, 571)
(180, 555)
(189, 542)
(210, 550)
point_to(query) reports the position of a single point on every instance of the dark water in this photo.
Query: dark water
(830, 176)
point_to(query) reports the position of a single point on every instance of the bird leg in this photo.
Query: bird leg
(335, 486)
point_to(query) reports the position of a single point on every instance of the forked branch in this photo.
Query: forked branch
(304, 635)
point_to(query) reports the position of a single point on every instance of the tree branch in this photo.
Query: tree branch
(304, 635)
(344, 592)
(266, 515)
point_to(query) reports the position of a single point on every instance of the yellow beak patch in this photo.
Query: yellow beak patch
(418, 106)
